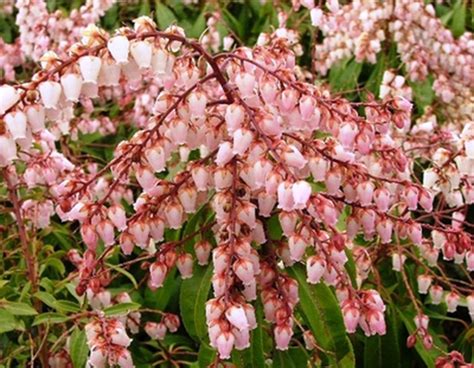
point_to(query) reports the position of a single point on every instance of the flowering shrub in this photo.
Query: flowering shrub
(216, 200)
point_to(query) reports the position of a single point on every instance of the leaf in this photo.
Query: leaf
(50, 317)
(292, 358)
(206, 356)
(164, 15)
(458, 22)
(78, 349)
(192, 300)
(323, 316)
(121, 309)
(46, 298)
(344, 75)
(18, 308)
(8, 322)
(423, 93)
(125, 273)
(56, 264)
(66, 306)
(255, 356)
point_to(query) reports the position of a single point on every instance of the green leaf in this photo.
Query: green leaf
(50, 317)
(292, 358)
(56, 264)
(344, 75)
(19, 309)
(255, 356)
(164, 15)
(323, 316)
(206, 356)
(46, 298)
(78, 348)
(8, 322)
(121, 309)
(423, 93)
(192, 300)
(125, 273)
(458, 22)
(66, 306)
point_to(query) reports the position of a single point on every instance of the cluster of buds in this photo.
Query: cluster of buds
(365, 310)
(452, 360)
(421, 331)
(108, 343)
(243, 135)
(157, 330)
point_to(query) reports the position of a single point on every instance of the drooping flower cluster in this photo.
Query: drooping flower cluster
(242, 135)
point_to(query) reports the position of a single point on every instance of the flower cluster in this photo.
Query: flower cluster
(243, 136)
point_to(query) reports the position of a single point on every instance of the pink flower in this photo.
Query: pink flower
(235, 314)
(118, 217)
(452, 300)
(424, 282)
(142, 53)
(185, 265)
(351, 315)
(158, 271)
(224, 344)
(118, 47)
(72, 84)
(50, 93)
(283, 334)
(8, 97)
(365, 191)
(16, 123)
(297, 245)
(243, 268)
(202, 250)
(301, 192)
(315, 269)
(90, 68)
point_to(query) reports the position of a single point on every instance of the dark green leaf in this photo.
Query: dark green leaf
(19, 309)
(323, 316)
(192, 300)
(50, 318)
(78, 348)
(121, 309)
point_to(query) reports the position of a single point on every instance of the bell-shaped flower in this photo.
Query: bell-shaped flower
(50, 93)
(118, 47)
(72, 84)
(142, 52)
(9, 96)
(90, 68)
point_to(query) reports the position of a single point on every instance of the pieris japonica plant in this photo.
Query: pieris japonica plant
(170, 201)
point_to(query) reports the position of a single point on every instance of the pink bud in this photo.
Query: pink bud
(202, 250)
(97, 357)
(288, 100)
(118, 217)
(333, 181)
(351, 315)
(185, 265)
(315, 269)
(158, 272)
(297, 246)
(426, 200)
(50, 93)
(118, 47)
(382, 199)
(294, 158)
(16, 123)
(283, 334)
(307, 107)
(242, 338)
(234, 117)
(436, 294)
(410, 195)
(224, 154)
(156, 157)
(89, 236)
(384, 229)
(242, 140)
(424, 282)
(188, 198)
(301, 192)
(243, 268)
(452, 300)
(9, 96)
(470, 260)
(200, 177)
(119, 337)
(318, 167)
(224, 344)
(245, 83)
(414, 233)
(36, 117)
(174, 214)
(266, 203)
(237, 317)
(72, 84)
(105, 229)
(172, 322)
(368, 221)
(365, 191)
(90, 68)
(421, 321)
(141, 232)
(156, 331)
(288, 222)
(142, 53)
(376, 322)
(285, 196)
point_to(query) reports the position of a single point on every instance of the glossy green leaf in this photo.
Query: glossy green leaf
(164, 15)
(50, 318)
(192, 300)
(292, 358)
(8, 322)
(344, 75)
(322, 314)
(78, 348)
(18, 308)
(121, 309)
